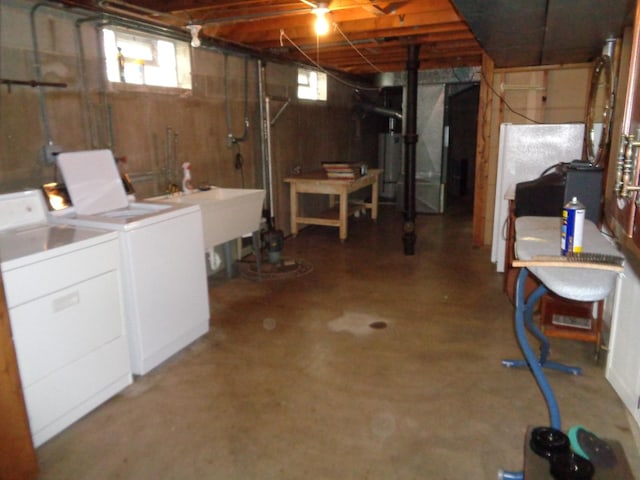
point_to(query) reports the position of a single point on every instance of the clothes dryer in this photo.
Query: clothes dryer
(63, 293)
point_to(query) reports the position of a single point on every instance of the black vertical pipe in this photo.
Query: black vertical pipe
(410, 140)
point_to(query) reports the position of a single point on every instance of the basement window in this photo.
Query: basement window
(143, 59)
(312, 85)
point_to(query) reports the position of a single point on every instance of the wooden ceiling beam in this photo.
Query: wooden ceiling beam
(345, 22)
(362, 39)
(380, 30)
(382, 65)
(373, 56)
(266, 34)
(227, 7)
(399, 64)
(333, 57)
(443, 62)
(199, 6)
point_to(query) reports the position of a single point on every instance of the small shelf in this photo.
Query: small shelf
(553, 308)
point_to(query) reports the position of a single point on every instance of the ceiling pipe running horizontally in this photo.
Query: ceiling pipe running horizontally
(133, 9)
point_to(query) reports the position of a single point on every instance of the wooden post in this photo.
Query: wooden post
(483, 150)
(410, 140)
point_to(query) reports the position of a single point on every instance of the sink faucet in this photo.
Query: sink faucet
(173, 188)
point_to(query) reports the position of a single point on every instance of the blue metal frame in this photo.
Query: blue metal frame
(524, 315)
(524, 318)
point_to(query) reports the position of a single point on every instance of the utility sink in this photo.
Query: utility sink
(227, 213)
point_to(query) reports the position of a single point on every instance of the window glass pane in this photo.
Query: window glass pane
(166, 54)
(137, 50)
(303, 77)
(312, 85)
(146, 60)
(134, 72)
(111, 55)
(321, 87)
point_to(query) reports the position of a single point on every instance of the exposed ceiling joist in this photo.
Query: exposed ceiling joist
(452, 33)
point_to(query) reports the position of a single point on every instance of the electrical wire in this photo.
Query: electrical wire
(464, 80)
(349, 84)
(321, 68)
(336, 27)
(317, 49)
(552, 167)
(234, 139)
(484, 78)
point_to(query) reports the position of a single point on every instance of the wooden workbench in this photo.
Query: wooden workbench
(317, 182)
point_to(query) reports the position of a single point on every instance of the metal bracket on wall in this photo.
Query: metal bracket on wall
(286, 101)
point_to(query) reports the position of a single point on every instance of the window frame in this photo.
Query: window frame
(178, 65)
(308, 91)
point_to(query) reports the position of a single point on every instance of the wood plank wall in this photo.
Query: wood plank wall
(17, 454)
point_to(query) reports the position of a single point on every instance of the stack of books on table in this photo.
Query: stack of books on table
(346, 171)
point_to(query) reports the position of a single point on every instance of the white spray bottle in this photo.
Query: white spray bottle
(186, 178)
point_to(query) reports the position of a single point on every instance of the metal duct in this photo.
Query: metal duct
(385, 111)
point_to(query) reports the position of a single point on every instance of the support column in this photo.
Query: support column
(410, 140)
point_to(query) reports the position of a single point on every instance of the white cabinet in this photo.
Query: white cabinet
(623, 362)
(68, 328)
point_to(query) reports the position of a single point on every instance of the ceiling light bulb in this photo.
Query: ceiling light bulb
(195, 30)
(322, 24)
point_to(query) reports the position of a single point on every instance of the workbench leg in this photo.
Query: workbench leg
(374, 199)
(293, 203)
(344, 207)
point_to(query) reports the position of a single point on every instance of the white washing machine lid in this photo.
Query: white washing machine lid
(93, 181)
(99, 198)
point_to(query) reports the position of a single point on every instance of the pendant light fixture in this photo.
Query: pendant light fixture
(195, 39)
(321, 24)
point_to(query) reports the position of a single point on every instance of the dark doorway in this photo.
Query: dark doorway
(461, 121)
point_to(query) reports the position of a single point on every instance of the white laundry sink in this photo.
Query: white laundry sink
(227, 213)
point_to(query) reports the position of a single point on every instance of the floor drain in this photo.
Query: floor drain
(378, 325)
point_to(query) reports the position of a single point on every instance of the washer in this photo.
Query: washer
(63, 292)
(164, 273)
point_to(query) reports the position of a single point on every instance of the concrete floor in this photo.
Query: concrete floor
(292, 381)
